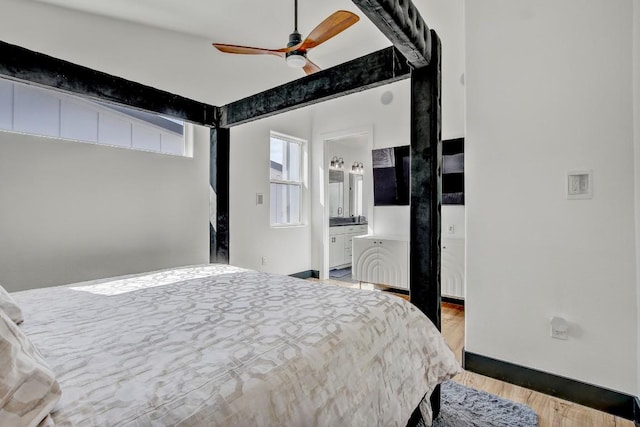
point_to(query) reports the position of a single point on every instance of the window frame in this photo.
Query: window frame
(300, 183)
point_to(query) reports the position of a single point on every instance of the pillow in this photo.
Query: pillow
(9, 306)
(28, 388)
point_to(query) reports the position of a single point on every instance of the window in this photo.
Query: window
(286, 180)
(45, 112)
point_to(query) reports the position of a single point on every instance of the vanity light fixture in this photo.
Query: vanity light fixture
(336, 163)
(357, 167)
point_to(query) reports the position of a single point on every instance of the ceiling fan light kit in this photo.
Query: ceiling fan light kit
(296, 58)
(295, 54)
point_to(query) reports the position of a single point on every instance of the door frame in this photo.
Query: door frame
(326, 138)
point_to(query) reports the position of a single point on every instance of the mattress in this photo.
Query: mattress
(217, 345)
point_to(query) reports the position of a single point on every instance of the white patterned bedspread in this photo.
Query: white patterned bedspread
(218, 345)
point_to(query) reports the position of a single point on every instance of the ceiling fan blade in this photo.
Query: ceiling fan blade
(246, 50)
(330, 27)
(310, 67)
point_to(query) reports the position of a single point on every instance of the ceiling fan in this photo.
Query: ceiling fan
(296, 51)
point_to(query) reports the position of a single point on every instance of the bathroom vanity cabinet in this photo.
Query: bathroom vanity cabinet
(340, 243)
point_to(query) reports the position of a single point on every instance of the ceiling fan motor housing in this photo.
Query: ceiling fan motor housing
(296, 58)
(294, 39)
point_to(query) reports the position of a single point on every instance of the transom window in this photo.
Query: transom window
(285, 165)
(45, 112)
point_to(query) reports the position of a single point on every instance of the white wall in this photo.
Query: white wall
(391, 127)
(549, 90)
(287, 249)
(72, 211)
(446, 17)
(636, 138)
(453, 215)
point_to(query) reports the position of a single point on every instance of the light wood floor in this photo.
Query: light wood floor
(552, 412)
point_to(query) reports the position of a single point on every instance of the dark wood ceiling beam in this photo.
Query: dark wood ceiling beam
(376, 69)
(403, 25)
(20, 64)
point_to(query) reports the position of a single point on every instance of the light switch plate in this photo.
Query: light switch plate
(579, 184)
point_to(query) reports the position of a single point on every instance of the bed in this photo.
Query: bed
(217, 345)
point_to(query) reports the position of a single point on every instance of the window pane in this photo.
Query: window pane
(6, 105)
(277, 158)
(172, 144)
(285, 164)
(78, 122)
(145, 138)
(285, 204)
(113, 130)
(294, 204)
(285, 160)
(278, 211)
(36, 112)
(294, 161)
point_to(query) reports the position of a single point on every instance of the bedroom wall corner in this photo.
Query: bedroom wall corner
(74, 211)
(538, 105)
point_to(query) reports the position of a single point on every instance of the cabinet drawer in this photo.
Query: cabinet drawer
(335, 230)
(348, 229)
(360, 229)
(355, 229)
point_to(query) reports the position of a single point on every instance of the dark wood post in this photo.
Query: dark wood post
(426, 190)
(219, 181)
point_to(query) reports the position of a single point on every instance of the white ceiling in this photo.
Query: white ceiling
(256, 23)
(167, 43)
(242, 21)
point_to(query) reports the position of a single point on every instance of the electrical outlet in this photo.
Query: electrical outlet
(264, 260)
(559, 328)
(561, 335)
(580, 184)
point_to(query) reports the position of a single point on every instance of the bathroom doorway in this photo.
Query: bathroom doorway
(348, 201)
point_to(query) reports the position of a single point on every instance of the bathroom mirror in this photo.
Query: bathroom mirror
(336, 193)
(355, 194)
